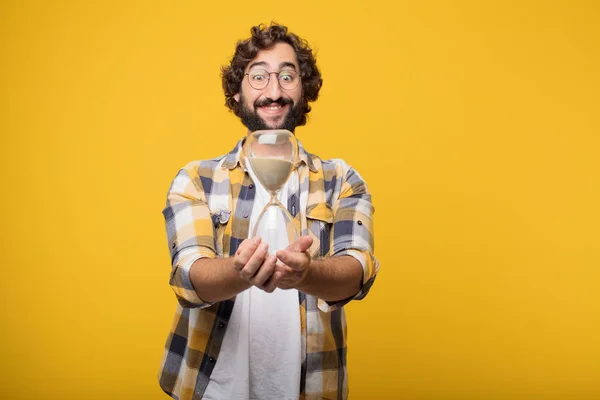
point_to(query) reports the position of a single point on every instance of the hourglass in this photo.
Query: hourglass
(272, 155)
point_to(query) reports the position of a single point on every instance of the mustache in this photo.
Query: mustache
(266, 101)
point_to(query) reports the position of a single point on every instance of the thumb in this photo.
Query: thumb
(302, 244)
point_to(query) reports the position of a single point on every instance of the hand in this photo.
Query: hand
(254, 266)
(296, 264)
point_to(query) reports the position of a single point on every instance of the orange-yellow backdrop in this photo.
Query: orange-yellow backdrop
(475, 123)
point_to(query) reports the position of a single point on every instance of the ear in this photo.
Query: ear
(236, 97)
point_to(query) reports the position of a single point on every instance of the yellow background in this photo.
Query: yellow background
(475, 124)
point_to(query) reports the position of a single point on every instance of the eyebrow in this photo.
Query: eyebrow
(264, 64)
(257, 64)
(287, 64)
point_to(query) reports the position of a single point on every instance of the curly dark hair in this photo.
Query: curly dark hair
(263, 38)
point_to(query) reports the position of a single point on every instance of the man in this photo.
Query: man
(249, 324)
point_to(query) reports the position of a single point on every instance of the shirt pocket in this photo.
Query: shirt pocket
(319, 220)
(220, 219)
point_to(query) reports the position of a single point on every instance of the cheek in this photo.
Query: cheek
(247, 95)
(250, 97)
(297, 97)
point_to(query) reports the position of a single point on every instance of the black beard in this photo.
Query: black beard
(253, 122)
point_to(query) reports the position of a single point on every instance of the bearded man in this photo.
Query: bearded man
(251, 324)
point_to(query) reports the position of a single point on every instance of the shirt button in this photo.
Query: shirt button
(251, 186)
(221, 325)
(359, 222)
(245, 215)
(211, 359)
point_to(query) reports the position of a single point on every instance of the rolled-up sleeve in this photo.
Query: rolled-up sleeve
(190, 232)
(352, 233)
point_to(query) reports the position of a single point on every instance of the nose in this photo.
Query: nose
(273, 90)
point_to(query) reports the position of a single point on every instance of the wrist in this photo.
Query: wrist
(307, 275)
(232, 270)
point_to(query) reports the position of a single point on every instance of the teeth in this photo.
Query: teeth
(273, 107)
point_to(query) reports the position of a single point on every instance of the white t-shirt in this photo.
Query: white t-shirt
(260, 355)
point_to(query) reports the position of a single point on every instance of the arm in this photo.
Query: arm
(332, 279)
(198, 278)
(216, 279)
(351, 269)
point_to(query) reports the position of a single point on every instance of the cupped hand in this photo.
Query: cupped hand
(294, 264)
(254, 264)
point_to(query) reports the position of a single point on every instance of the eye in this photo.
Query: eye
(258, 76)
(286, 76)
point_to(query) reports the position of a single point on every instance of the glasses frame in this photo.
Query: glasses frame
(269, 79)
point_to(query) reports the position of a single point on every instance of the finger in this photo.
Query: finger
(292, 259)
(271, 284)
(304, 243)
(254, 262)
(301, 244)
(245, 251)
(283, 269)
(264, 272)
(247, 242)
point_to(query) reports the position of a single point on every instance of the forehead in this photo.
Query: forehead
(275, 57)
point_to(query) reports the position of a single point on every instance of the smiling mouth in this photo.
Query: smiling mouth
(273, 108)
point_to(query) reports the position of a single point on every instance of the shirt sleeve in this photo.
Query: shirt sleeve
(352, 233)
(190, 233)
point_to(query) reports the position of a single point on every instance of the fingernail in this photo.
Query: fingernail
(256, 239)
(264, 247)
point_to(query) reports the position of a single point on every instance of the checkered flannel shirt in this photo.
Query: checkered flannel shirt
(207, 215)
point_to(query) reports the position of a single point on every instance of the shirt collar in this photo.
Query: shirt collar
(234, 157)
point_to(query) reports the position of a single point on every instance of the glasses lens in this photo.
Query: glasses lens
(288, 79)
(258, 78)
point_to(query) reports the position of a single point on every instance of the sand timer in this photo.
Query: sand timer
(272, 154)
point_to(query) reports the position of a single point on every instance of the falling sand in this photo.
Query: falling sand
(271, 172)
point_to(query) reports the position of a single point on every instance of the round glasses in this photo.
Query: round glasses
(259, 79)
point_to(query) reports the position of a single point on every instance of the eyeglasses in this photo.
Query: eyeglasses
(259, 79)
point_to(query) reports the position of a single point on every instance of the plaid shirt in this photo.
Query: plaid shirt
(207, 215)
